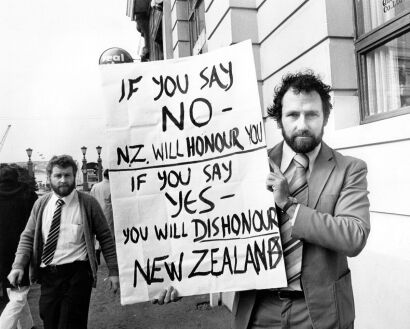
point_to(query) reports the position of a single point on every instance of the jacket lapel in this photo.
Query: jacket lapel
(324, 166)
(275, 153)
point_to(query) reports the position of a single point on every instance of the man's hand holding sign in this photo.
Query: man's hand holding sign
(277, 183)
(166, 296)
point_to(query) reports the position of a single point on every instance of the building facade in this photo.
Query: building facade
(362, 49)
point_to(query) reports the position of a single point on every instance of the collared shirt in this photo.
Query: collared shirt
(71, 243)
(287, 167)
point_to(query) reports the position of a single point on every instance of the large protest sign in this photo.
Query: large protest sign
(188, 165)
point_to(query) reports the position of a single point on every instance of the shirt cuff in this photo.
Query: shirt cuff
(292, 220)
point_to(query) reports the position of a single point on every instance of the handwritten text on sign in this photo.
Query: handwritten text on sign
(188, 166)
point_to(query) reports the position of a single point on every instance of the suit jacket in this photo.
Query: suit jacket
(334, 224)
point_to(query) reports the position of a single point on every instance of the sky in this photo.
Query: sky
(50, 89)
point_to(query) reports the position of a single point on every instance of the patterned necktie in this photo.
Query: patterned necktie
(292, 248)
(51, 243)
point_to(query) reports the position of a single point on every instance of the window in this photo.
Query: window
(155, 32)
(196, 18)
(383, 57)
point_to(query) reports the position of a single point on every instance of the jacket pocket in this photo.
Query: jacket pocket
(344, 300)
(320, 299)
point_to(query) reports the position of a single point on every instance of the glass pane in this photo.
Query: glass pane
(388, 76)
(196, 21)
(373, 13)
(191, 5)
(201, 16)
(193, 31)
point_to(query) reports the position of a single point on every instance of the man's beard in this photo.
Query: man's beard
(63, 190)
(305, 145)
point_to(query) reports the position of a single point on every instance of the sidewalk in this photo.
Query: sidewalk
(106, 311)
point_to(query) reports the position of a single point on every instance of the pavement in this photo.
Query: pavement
(106, 311)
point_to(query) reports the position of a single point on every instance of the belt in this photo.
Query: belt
(65, 267)
(287, 294)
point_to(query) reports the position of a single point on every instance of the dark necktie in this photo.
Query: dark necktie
(51, 243)
(292, 248)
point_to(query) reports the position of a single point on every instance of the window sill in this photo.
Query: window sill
(391, 130)
(386, 115)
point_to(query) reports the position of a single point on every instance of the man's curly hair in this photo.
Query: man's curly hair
(306, 81)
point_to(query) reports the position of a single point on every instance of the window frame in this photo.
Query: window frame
(155, 27)
(367, 42)
(193, 18)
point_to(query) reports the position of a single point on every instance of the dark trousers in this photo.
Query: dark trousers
(65, 295)
(3, 285)
(272, 312)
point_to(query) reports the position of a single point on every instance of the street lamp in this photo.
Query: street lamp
(84, 169)
(29, 162)
(99, 163)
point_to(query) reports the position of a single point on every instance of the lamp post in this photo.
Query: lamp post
(84, 169)
(99, 148)
(29, 162)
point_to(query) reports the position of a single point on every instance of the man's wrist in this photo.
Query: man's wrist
(289, 203)
(281, 203)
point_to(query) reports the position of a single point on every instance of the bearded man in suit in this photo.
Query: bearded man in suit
(323, 208)
(322, 205)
